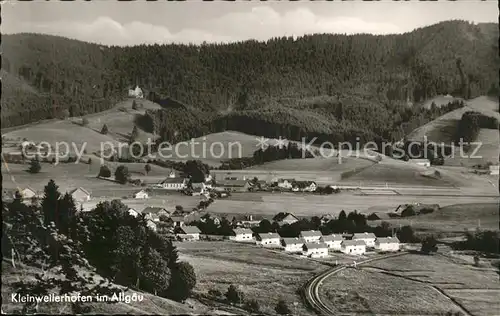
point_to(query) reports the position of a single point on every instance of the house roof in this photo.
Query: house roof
(198, 185)
(303, 184)
(173, 180)
(353, 243)
(293, 241)
(178, 218)
(141, 191)
(152, 209)
(388, 240)
(190, 230)
(315, 246)
(269, 236)
(332, 238)
(363, 235)
(79, 189)
(231, 183)
(327, 217)
(240, 231)
(281, 216)
(310, 233)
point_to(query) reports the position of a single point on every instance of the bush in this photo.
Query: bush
(104, 172)
(252, 306)
(426, 210)
(35, 166)
(282, 308)
(429, 245)
(85, 121)
(104, 129)
(234, 295)
(122, 174)
(213, 292)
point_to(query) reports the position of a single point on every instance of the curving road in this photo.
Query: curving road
(311, 290)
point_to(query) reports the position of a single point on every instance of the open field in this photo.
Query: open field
(476, 289)
(453, 218)
(310, 205)
(365, 292)
(261, 274)
(315, 164)
(70, 175)
(412, 284)
(443, 130)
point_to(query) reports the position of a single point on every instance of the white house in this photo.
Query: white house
(388, 244)
(268, 239)
(189, 233)
(285, 218)
(154, 213)
(80, 194)
(141, 195)
(315, 250)
(136, 93)
(333, 242)
(326, 218)
(494, 170)
(178, 221)
(285, 183)
(176, 183)
(421, 162)
(151, 225)
(28, 193)
(311, 236)
(242, 234)
(353, 247)
(368, 238)
(305, 186)
(292, 244)
(133, 212)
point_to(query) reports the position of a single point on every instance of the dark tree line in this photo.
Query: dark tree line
(471, 123)
(280, 74)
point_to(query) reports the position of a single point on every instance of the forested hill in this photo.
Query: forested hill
(48, 75)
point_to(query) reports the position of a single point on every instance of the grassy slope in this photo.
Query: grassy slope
(443, 128)
(150, 305)
(261, 274)
(454, 218)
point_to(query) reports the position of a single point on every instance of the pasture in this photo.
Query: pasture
(476, 289)
(453, 218)
(302, 204)
(261, 274)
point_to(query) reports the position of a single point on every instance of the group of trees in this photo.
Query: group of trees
(120, 247)
(234, 295)
(484, 241)
(471, 123)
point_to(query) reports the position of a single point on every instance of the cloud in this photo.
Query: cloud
(259, 23)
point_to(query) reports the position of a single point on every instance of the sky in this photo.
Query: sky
(139, 22)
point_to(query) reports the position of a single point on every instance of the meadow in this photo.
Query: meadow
(476, 289)
(261, 274)
(453, 218)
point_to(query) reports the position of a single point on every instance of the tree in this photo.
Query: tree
(183, 281)
(67, 211)
(104, 172)
(234, 295)
(104, 129)
(342, 216)
(122, 174)
(196, 170)
(35, 166)
(406, 234)
(282, 308)
(134, 134)
(50, 203)
(147, 168)
(252, 306)
(429, 245)
(476, 260)
(85, 121)
(134, 105)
